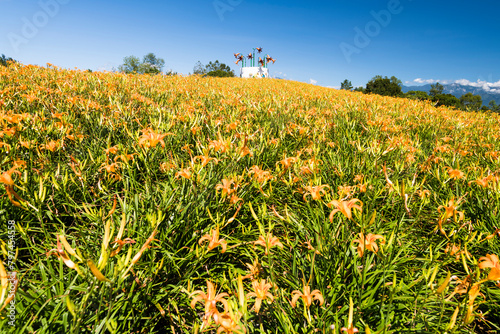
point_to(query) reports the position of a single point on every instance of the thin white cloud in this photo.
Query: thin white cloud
(426, 81)
(313, 82)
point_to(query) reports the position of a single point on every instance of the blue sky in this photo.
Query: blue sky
(323, 42)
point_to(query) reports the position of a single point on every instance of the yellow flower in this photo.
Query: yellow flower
(307, 296)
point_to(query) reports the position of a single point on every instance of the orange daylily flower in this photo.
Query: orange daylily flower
(259, 175)
(307, 296)
(6, 177)
(151, 138)
(235, 199)
(226, 187)
(454, 173)
(229, 323)
(423, 193)
(451, 211)
(255, 269)
(474, 291)
(350, 330)
(111, 150)
(490, 261)
(345, 207)
(462, 287)
(50, 146)
(220, 145)
(287, 162)
(316, 192)
(245, 151)
(210, 299)
(214, 241)
(492, 235)
(121, 243)
(205, 159)
(368, 242)
(260, 292)
(268, 242)
(185, 173)
(111, 168)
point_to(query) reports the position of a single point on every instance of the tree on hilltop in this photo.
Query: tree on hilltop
(384, 86)
(4, 61)
(417, 95)
(448, 100)
(150, 64)
(436, 89)
(213, 69)
(493, 106)
(346, 85)
(471, 102)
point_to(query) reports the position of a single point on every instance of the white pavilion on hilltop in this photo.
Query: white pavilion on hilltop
(251, 67)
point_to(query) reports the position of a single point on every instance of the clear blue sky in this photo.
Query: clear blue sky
(313, 41)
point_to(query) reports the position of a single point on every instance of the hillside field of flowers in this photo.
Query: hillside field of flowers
(185, 204)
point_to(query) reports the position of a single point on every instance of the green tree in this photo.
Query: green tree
(152, 64)
(199, 68)
(384, 86)
(346, 84)
(149, 65)
(213, 69)
(493, 106)
(436, 89)
(417, 95)
(4, 61)
(131, 64)
(448, 100)
(471, 102)
(218, 70)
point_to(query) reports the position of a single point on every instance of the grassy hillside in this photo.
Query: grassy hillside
(150, 204)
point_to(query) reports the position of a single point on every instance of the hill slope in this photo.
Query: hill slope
(188, 204)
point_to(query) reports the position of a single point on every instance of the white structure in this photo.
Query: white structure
(254, 72)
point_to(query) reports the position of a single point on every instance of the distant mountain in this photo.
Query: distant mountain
(459, 90)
